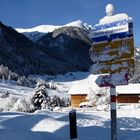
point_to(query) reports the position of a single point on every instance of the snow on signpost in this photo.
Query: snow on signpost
(116, 79)
(112, 49)
(112, 52)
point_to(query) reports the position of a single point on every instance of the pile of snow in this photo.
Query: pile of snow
(109, 18)
(113, 18)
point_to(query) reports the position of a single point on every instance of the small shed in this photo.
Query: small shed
(80, 90)
(78, 94)
(128, 93)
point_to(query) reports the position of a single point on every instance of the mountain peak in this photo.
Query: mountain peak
(80, 24)
(77, 23)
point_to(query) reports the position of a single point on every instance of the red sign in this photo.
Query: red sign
(116, 79)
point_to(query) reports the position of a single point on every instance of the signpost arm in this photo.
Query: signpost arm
(113, 113)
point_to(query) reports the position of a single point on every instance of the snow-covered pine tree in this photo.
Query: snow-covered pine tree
(99, 98)
(55, 101)
(65, 102)
(41, 97)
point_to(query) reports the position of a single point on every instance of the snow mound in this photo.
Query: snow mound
(112, 18)
(109, 9)
(117, 17)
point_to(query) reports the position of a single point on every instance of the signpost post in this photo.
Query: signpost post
(112, 53)
(113, 113)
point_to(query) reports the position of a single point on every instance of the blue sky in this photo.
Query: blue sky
(30, 13)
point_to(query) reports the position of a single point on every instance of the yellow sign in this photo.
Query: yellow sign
(112, 51)
(113, 66)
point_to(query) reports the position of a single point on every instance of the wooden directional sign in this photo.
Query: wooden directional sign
(113, 66)
(112, 50)
(114, 30)
(112, 79)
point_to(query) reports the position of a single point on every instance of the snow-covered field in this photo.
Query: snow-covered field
(54, 125)
(91, 125)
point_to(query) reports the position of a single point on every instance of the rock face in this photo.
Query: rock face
(70, 45)
(16, 51)
(63, 50)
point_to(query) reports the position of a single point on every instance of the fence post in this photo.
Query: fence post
(72, 123)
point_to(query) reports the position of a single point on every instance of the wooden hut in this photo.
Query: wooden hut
(125, 94)
(80, 90)
(128, 93)
(78, 94)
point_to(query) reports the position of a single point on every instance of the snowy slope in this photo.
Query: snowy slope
(91, 125)
(37, 32)
(40, 28)
(54, 125)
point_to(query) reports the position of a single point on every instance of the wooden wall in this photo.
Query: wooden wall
(121, 98)
(128, 98)
(77, 99)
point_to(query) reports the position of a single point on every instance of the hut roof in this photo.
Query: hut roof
(87, 85)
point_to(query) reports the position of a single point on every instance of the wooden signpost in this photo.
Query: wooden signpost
(112, 80)
(112, 53)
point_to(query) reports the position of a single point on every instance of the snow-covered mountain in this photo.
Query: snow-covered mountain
(37, 32)
(80, 24)
(40, 28)
(50, 28)
(63, 50)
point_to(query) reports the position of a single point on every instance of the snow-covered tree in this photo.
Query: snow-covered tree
(56, 101)
(24, 104)
(99, 98)
(65, 102)
(9, 103)
(41, 97)
(104, 98)
(28, 82)
(4, 71)
(52, 85)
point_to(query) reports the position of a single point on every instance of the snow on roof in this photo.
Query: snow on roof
(79, 89)
(84, 86)
(128, 89)
(88, 85)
